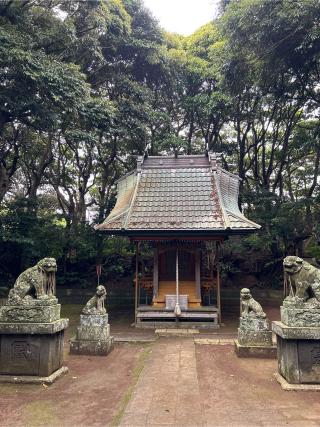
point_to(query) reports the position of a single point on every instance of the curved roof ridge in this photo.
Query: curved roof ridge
(241, 216)
(229, 173)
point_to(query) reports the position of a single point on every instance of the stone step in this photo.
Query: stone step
(176, 332)
(214, 341)
(135, 338)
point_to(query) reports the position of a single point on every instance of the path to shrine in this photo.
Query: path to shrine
(184, 384)
(169, 382)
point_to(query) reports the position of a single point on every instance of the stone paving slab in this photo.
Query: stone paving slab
(184, 384)
(167, 392)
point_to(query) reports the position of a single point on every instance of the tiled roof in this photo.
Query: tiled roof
(177, 194)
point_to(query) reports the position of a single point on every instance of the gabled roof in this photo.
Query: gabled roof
(166, 195)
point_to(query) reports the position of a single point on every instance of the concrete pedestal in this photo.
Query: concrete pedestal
(298, 353)
(93, 336)
(30, 351)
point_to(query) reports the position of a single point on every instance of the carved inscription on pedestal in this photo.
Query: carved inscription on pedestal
(308, 358)
(315, 356)
(19, 356)
(22, 351)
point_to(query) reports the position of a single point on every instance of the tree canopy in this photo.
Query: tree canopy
(85, 87)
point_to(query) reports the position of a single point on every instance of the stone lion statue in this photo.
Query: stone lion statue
(95, 305)
(37, 282)
(249, 306)
(303, 282)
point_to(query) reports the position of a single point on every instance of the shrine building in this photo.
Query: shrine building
(178, 210)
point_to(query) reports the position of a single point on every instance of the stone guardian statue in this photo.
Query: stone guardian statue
(93, 333)
(31, 330)
(298, 332)
(254, 334)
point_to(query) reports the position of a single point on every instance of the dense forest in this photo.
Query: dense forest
(86, 86)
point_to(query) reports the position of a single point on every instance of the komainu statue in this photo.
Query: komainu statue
(302, 282)
(95, 305)
(35, 283)
(254, 328)
(93, 333)
(249, 306)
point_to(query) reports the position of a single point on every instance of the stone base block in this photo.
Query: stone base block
(91, 348)
(247, 337)
(295, 387)
(299, 317)
(31, 349)
(93, 333)
(94, 320)
(32, 379)
(262, 352)
(33, 328)
(253, 323)
(31, 313)
(298, 353)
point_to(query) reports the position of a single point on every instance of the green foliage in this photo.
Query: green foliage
(86, 86)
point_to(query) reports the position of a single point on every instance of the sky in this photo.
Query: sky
(182, 16)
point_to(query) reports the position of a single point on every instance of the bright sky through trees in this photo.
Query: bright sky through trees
(182, 16)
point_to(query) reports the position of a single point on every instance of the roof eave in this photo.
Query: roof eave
(178, 233)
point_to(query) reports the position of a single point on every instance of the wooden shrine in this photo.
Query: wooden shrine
(178, 211)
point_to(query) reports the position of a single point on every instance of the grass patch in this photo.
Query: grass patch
(39, 413)
(135, 376)
(9, 390)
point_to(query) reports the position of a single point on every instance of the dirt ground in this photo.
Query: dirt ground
(243, 392)
(97, 390)
(91, 394)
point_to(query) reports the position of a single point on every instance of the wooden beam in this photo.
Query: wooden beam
(182, 239)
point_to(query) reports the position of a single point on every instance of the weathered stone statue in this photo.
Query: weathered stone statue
(95, 305)
(31, 331)
(32, 298)
(36, 282)
(249, 306)
(302, 306)
(254, 334)
(298, 332)
(93, 333)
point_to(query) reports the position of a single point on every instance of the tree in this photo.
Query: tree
(36, 88)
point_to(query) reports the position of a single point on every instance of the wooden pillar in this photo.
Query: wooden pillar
(177, 308)
(218, 282)
(136, 284)
(155, 272)
(197, 272)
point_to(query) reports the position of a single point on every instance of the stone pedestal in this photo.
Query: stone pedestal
(33, 312)
(93, 336)
(254, 338)
(300, 317)
(298, 353)
(31, 352)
